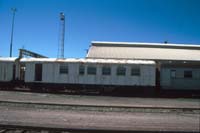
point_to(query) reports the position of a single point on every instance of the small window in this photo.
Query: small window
(81, 70)
(106, 71)
(135, 72)
(187, 74)
(173, 73)
(121, 71)
(91, 70)
(63, 69)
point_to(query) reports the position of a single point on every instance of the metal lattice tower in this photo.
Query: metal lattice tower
(61, 36)
(13, 20)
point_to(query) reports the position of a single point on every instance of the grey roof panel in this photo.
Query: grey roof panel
(139, 44)
(150, 52)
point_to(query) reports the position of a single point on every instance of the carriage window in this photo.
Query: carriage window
(121, 71)
(106, 71)
(81, 70)
(135, 72)
(63, 69)
(173, 73)
(187, 74)
(91, 70)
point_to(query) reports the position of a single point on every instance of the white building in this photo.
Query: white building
(178, 65)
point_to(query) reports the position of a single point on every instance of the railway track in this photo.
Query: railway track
(10, 130)
(75, 91)
(15, 129)
(114, 92)
(100, 108)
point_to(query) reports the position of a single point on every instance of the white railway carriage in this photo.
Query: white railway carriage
(101, 72)
(138, 76)
(7, 69)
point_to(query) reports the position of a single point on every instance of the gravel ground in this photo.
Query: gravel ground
(99, 112)
(77, 119)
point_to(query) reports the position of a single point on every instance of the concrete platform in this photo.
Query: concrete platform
(26, 97)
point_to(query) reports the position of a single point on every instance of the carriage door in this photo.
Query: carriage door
(14, 71)
(38, 72)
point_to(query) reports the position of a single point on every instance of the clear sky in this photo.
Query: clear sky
(37, 23)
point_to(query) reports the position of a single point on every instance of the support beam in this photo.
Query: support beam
(23, 52)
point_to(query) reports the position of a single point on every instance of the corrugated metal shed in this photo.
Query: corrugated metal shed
(146, 51)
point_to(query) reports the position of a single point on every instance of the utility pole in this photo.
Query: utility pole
(13, 20)
(61, 36)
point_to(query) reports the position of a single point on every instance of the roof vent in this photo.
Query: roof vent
(165, 42)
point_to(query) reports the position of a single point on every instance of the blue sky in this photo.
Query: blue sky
(37, 23)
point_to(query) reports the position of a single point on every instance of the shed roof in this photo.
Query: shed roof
(146, 51)
(83, 60)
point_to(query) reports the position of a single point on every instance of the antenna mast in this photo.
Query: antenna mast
(61, 36)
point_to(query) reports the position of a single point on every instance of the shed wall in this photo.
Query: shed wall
(179, 82)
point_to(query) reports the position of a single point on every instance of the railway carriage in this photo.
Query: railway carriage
(88, 73)
(139, 76)
(7, 69)
(7, 72)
